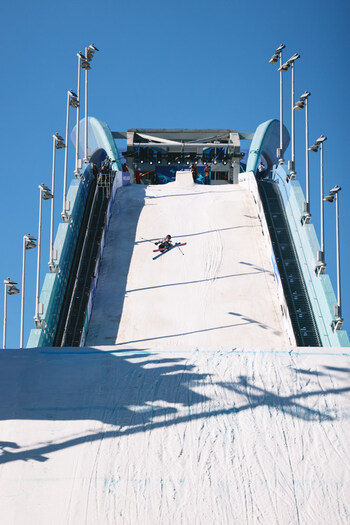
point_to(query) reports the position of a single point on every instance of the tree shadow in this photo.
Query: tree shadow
(290, 404)
(134, 391)
(76, 384)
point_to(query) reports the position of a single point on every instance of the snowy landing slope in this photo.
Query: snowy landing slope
(143, 437)
(220, 292)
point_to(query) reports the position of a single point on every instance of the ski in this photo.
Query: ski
(177, 244)
(166, 250)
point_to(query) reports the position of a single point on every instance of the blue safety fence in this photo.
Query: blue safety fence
(54, 285)
(53, 289)
(320, 289)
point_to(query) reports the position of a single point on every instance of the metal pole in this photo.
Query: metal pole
(21, 342)
(64, 212)
(86, 111)
(293, 130)
(338, 255)
(307, 155)
(281, 105)
(5, 319)
(322, 212)
(36, 317)
(51, 263)
(77, 173)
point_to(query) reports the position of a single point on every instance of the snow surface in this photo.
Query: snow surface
(109, 436)
(219, 291)
(182, 419)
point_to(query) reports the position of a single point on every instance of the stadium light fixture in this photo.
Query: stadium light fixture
(28, 244)
(81, 59)
(301, 104)
(44, 194)
(337, 324)
(10, 289)
(291, 164)
(58, 143)
(320, 264)
(72, 101)
(278, 55)
(89, 53)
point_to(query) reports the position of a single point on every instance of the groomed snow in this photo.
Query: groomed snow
(220, 290)
(106, 436)
(198, 412)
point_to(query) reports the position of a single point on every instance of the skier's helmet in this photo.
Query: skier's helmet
(168, 237)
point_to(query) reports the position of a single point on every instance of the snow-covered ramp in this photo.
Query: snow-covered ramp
(219, 290)
(139, 437)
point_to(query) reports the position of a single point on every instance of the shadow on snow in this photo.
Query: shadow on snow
(135, 391)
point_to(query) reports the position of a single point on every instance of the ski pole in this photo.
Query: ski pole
(147, 240)
(181, 250)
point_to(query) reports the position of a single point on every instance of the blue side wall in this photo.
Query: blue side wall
(320, 289)
(265, 142)
(54, 285)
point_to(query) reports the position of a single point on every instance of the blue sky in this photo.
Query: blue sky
(195, 64)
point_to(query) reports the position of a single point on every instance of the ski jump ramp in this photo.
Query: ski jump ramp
(218, 290)
(187, 405)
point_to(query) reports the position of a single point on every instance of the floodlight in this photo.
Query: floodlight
(9, 282)
(59, 142)
(335, 190)
(73, 99)
(329, 198)
(92, 48)
(305, 95)
(293, 58)
(314, 148)
(321, 139)
(12, 290)
(29, 242)
(85, 65)
(299, 105)
(284, 67)
(273, 59)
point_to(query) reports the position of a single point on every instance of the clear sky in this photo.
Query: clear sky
(194, 64)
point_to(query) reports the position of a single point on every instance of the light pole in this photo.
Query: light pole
(10, 289)
(320, 264)
(72, 100)
(278, 55)
(334, 194)
(89, 53)
(81, 60)
(57, 144)
(303, 103)
(291, 163)
(45, 194)
(28, 244)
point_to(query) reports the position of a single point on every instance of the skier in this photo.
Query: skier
(165, 243)
(138, 176)
(194, 172)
